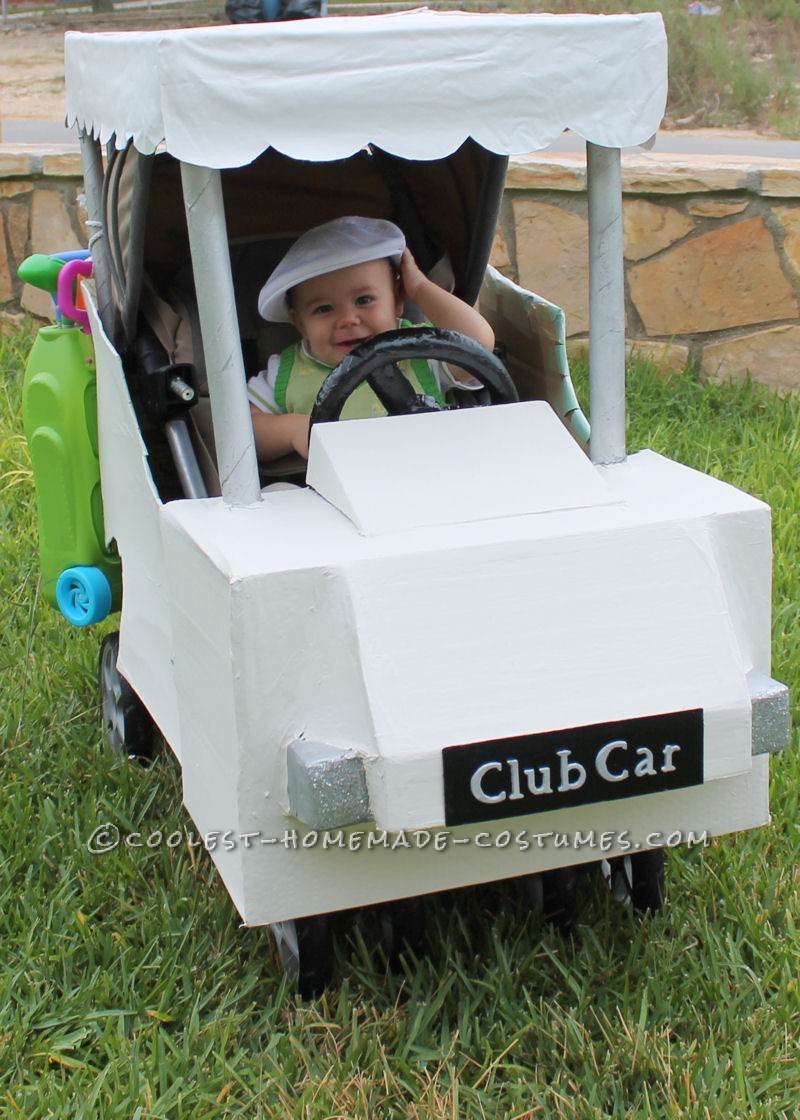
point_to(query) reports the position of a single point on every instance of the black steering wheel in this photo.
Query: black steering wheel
(376, 362)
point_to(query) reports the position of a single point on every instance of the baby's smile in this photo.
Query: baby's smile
(351, 343)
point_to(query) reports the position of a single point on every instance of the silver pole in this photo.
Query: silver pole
(180, 444)
(208, 241)
(606, 305)
(92, 160)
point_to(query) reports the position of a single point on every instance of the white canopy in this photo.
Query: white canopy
(416, 84)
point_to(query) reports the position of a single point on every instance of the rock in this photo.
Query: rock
(13, 188)
(14, 163)
(545, 171)
(771, 356)
(789, 217)
(62, 164)
(51, 223)
(668, 357)
(51, 232)
(499, 256)
(18, 230)
(714, 208)
(650, 227)
(6, 288)
(781, 182)
(553, 258)
(727, 278)
(645, 173)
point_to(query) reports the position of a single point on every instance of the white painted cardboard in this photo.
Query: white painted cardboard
(244, 629)
(219, 96)
(403, 643)
(286, 879)
(740, 550)
(131, 516)
(443, 468)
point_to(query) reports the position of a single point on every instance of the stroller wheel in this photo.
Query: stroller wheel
(305, 948)
(560, 898)
(637, 878)
(533, 892)
(554, 894)
(403, 930)
(128, 726)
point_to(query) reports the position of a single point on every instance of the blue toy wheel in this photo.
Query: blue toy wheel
(83, 595)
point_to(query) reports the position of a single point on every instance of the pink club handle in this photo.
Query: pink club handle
(66, 287)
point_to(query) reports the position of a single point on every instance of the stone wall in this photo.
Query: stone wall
(712, 256)
(40, 212)
(712, 249)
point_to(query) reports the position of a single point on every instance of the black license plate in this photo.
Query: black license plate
(525, 774)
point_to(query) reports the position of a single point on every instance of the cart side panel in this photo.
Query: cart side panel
(532, 330)
(206, 674)
(132, 509)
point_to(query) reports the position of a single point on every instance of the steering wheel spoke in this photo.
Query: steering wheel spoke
(393, 390)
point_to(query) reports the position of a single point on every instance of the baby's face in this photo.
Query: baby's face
(338, 311)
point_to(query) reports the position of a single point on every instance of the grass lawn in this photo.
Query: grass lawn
(128, 990)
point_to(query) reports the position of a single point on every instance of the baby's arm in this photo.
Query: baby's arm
(278, 435)
(442, 308)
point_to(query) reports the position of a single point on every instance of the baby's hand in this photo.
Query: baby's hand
(411, 275)
(279, 434)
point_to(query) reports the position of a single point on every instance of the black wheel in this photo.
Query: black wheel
(376, 360)
(554, 894)
(403, 930)
(305, 948)
(533, 892)
(128, 726)
(637, 878)
(560, 898)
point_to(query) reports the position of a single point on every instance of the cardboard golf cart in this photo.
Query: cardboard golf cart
(466, 630)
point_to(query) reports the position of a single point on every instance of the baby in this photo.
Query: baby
(341, 284)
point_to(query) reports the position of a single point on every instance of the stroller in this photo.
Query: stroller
(462, 634)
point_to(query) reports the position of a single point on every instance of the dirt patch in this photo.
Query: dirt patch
(32, 74)
(32, 52)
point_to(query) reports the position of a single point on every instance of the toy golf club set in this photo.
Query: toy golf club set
(465, 624)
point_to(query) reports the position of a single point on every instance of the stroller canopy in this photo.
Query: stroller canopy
(417, 84)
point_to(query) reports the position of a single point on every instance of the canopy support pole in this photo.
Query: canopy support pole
(606, 305)
(219, 325)
(92, 160)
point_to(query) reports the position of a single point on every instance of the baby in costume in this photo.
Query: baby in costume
(341, 284)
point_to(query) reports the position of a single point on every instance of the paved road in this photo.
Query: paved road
(35, 132)
(704, 141)
(707, 141)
